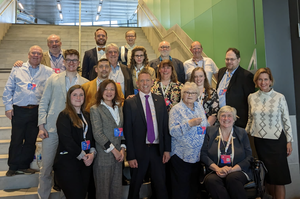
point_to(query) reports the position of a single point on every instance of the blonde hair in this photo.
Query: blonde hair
(189, 85)
(260, 71)
(227, 109)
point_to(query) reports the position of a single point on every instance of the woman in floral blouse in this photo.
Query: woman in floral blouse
(208, 96)
(167, 84)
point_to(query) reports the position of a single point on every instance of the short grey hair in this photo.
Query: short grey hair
(111, 45)
(190, 86)
(227, 109)
(35, 46)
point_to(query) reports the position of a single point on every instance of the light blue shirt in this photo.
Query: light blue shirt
(116, 74)
(75, 81)
(223, 86)
(186, 141)
(16, 91)
(57, 62)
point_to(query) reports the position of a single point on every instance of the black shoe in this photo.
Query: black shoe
(27, 171)
(10, 173)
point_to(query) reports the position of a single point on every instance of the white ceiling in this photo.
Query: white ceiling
(112, 10)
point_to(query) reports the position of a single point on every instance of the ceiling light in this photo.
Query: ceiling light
(59, 6)
(21, 6)
(135, 11)
(97, 17)
(61, 16)
(99, 8)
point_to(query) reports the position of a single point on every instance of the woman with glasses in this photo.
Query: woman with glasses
(187, 123)
(208, 97)
(167, 84)
(76, 147)
(138, 62)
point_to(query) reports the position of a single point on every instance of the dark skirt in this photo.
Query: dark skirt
(274, 155)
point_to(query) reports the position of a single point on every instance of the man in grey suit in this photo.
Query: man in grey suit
(52, 103)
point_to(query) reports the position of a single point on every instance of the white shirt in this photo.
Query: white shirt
(116, 74)
(206, 63)
(113, 111)
(152, 107)
(100, 54)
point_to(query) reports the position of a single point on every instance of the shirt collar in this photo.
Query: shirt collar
(142, 95)
(29, 65)
(170, 58)
(232, 72)
(60, 54)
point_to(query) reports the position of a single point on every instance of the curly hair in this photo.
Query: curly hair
(132, 60)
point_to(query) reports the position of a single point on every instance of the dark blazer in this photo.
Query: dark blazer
(242, 149)
(70, 139)
(90, 59)
(135, 127)
(126, 56)
(178, 66)
(240, 86)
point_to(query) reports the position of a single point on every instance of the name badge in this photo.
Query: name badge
(136, 91)
(31, 86)
(85, 145)
(118, 132)
(225, 159)
(168, 102)
(201, 130)
(57, 70)
(223, 91)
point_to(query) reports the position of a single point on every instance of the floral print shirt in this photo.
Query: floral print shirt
(211, 106)
(172, 93)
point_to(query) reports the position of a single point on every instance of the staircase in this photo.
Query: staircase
(15, 46)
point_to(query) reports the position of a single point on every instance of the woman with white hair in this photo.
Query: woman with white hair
(187, 125)
(227, 153)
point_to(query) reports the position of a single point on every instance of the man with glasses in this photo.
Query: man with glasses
(102, 69)
(21, 97)
(52, 103)
(125, 51)
(92, 56)
(54, 57)
(234, 86)
(198, 60)
(164, 48)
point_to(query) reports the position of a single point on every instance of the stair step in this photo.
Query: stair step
(4, 167)
(30, 193)
(4, 121)
(5, 133)
(19, 181)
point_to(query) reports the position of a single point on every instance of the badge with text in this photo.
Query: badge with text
(31, 86)
(225, 159)
(168, 102)
(85, 145)
(118, 132)
(57, 70)
(201, 130)
(136, 91)
(222, 91)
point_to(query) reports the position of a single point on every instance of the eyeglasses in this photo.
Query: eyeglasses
(139, 56)
(166, 47)
(230, 59)
(129, 36)
(71, 60)
(54, 42)
(102, 67)
(190, 93)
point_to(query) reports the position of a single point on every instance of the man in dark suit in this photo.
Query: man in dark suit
(164, 48)
(92, 56)
(234, 86)
(147, 138)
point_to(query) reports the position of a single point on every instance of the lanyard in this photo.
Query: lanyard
(115, 75)
(86, 127)
(201, 97)
(164, 90)
(138, 71)
(229, 139)
(55, 62)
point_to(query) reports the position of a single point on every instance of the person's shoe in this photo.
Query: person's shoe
(27, 171)
(10, 173)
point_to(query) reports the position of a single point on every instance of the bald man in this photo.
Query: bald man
(198, 60)
(21, 97)
(164, 48)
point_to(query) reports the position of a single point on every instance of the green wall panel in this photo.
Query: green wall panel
(217, 24)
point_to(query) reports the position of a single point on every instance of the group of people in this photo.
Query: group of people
(163, 116)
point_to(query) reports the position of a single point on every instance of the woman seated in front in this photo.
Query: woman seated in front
(226, 151)
(76, 147)
(187, 125)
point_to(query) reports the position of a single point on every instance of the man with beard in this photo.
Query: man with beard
(54, 57)
(125, 51)
(164, 48)
(102, 69)
(92, 56)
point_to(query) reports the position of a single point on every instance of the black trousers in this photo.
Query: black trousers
(23, 137)
(184, 178)
(153, 161)
(230, 187)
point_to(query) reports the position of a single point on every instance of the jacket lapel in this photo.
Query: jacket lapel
(140, 107)
(234, 77)
(107, 113)
(95, 55)
(155, 101)
(62, 82)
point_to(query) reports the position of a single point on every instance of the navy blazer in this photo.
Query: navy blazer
(242, 148)
(135, 127)
(90, 59)
(240, 86)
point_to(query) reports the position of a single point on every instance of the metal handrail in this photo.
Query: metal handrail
(6, 7)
